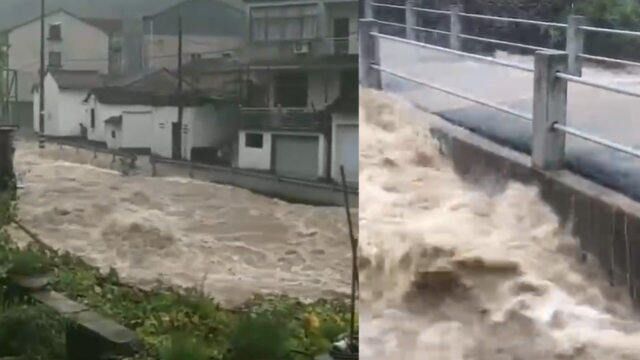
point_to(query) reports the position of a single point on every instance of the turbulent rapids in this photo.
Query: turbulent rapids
(227, 241)
(452, 270)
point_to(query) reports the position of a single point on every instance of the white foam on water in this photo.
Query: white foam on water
(454, 270)
(227, 241)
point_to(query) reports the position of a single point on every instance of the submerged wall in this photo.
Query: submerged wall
(606, 222)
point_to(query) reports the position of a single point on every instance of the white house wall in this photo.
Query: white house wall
(260, 159)
(105, 111)
(36, 111)
(70, 112)
(136, 127)
(51, 106)
(162, 119)
(338, 127)
(83, 47)
(253, 158)
(113, 142)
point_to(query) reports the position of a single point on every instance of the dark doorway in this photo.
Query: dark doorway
(349, 83)
(175, 141)
(291, 89)
(341, 35)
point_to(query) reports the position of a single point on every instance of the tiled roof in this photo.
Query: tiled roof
(109, 26)
(77, 79)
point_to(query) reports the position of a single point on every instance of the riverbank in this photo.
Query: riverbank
(183, 233)
(296, 329)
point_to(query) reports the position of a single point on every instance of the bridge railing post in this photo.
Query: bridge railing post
(455, 28)
(369, 54)
(411, 20)
(575, 43)
(549, 108)
(368, 9)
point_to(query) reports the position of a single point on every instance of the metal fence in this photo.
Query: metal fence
(552, 71)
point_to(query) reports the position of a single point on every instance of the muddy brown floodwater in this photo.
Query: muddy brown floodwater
(227, 241)
(452, 270)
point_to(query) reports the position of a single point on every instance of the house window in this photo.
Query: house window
(253, 140)
(55, 59)
(196, 56)
(113, 134)
(93, 118)
(291, 89)
(55, 31)
(291, 22)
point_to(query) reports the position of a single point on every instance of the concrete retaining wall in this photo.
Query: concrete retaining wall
(292, 190)
(606, 222)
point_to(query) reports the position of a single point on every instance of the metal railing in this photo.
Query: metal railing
(553, 71)
(518, 114)
(455, 52)
(575, 30)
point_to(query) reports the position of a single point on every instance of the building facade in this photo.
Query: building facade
(301, 58)
(209, 29)
(71, 43)
(64, 106)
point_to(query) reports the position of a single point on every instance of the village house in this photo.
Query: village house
(64, 107)
(301, 59)
(142, 116)
(71, 43)
(210, 29)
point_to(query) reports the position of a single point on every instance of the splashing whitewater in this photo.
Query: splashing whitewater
(452, 271)
(226, 241)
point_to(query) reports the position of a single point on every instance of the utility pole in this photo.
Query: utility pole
(180, 108)
(41, 139)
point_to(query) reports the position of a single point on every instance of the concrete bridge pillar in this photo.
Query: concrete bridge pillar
(411, 19)
(575, 43)
(369, 54)
(455, 42)
(368, 9)
(549, 108)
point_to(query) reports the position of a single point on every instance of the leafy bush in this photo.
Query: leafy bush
(260, 337)
(29, 263)
(31, 332)
(183, 347)
(618, 14)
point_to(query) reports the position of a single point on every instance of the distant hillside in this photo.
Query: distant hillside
(13, 12)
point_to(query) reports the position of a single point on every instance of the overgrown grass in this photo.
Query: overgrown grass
(31, 332)
(224, 334)
(265, 328)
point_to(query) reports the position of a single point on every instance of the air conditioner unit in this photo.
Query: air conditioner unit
(301, 48)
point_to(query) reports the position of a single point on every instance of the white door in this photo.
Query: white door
(347, 152)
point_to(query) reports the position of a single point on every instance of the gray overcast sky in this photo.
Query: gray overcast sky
(13, 12)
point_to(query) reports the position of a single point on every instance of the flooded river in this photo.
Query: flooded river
(227, 241)
(452, 270)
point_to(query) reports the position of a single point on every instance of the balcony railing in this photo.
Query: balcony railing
(285, 119)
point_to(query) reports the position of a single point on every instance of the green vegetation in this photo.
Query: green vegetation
(172, 324)
(618, 14)
(31, 332)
